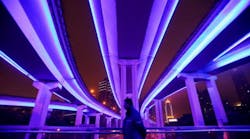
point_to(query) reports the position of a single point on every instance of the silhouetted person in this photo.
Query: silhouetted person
(133, 127)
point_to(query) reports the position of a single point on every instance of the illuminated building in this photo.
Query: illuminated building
(169, 112)
(105, 94)
(242, 87)
(104, 85)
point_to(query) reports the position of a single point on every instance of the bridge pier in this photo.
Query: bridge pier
(213, 92)
(79, 114)
(86, 121)
(116, 123)
(40, 110)
(97, 124)
(129, 85)
(159, 113)
(108, 122)
(219, 110)
(194, 102)
(146, 118)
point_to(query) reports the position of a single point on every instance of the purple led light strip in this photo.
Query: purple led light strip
(50, 53)
(233, 46)
(218, 23)
(14, 64)
(109, 53)
(230, 57)
(12, 101)
(159, 20)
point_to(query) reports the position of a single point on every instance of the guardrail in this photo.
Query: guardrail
(175, 132)
(73, 129)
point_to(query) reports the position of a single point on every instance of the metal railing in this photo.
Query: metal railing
(59, 132)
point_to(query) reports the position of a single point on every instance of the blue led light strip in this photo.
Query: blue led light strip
(19, 68)
(44, 40)
(152, 44)
(114, 81)
(219, 23)
(233, 46)
(14, 64)
(10, 101)
(230, 57)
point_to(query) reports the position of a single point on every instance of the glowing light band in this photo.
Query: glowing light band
(233, 46)
(108, 54)
(154, 35)
(105, 24)
(230, 58)
(61, 97)
(37, 25)
(14, 64)
(219, 23)
(175, 92)
(8, 101)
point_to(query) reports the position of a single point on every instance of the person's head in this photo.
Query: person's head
(128, 103)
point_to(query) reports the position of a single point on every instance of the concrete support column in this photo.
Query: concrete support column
(42, 102)
(86, 122)
(146, 118)
(40, 110)
(159, 113)
(97, 124)
(219, 110)
(159, 118)
(123, 90)
(108, 122)
(129, 86)
(120, 122)
(116, 123)
(135, 87)
(97, 120)
(166, 112)
(79, 114)
(194, 102)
